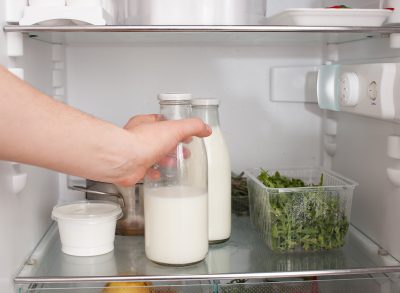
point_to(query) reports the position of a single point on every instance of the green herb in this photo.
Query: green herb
(240, 198)
(311, 217)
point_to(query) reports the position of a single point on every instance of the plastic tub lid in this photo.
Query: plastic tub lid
(205, 102)
(174, 97)
(87, 210)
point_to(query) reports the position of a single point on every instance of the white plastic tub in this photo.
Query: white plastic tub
(87, 228)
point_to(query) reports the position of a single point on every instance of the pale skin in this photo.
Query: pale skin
(35, 129)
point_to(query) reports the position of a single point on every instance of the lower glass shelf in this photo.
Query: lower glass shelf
(244, 256)
(353, 285)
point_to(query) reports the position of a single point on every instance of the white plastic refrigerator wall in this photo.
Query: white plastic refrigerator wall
(117, 80)
(24, 217)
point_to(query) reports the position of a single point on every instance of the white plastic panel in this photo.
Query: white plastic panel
(362, 154)
(259, 132)
(294, 84)
(364, 89)
(368, 89)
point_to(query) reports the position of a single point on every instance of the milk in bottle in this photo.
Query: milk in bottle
(219, 172)
(176, 212)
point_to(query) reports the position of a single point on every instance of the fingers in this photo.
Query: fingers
(153, 174)
(132, 179)
(140, 119)
(169, 161)
(156, 141)
(186, 128)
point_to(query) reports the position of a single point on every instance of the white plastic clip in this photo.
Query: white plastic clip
(330, 131)
(393, 147)
(15, 44)
(330, 127)
(18, 179)
(18, 72)
(14, 10)
(57, 53)
(330, 148)
(395, 41)
(393, 152)
(57, 78)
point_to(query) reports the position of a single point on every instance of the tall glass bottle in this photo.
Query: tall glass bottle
(175, 196)
(219, 172)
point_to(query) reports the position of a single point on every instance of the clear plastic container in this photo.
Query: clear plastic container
(302, 218)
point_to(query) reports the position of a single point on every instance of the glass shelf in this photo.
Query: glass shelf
(245, 34)
(353, 285)
(244, 256)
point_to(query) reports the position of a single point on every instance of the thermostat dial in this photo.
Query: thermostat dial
(373, 91)
(349, 89)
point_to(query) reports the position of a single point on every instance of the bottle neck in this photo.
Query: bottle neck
(175, 110)
(209, 114)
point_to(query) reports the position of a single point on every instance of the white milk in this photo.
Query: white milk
(196, 163)
(176, 224)
(219, 186)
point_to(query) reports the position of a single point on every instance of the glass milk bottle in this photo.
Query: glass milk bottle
(175, 196)
(219, 172)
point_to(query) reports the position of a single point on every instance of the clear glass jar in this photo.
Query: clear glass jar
(175, 192)
(219, 172)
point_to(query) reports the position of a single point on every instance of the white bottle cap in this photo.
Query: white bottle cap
(205, 102)
(174, 97)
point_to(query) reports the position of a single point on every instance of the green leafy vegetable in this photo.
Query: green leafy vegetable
(311, 218)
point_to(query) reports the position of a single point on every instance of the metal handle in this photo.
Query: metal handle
(91, 191)
(87, 190)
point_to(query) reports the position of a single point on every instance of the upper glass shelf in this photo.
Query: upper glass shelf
(244, 256)
(242, 34)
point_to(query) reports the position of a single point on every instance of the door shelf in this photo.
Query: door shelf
(239, 34)
(244, 256)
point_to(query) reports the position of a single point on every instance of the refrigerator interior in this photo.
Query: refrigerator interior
(117, 79)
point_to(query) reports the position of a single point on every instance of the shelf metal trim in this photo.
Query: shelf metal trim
(270, 275)
(202, 28)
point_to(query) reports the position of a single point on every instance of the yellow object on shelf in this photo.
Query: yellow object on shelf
(127, 287)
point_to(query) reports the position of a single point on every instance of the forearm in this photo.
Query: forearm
(37, 130)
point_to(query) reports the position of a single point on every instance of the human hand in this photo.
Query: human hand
(153, 140)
